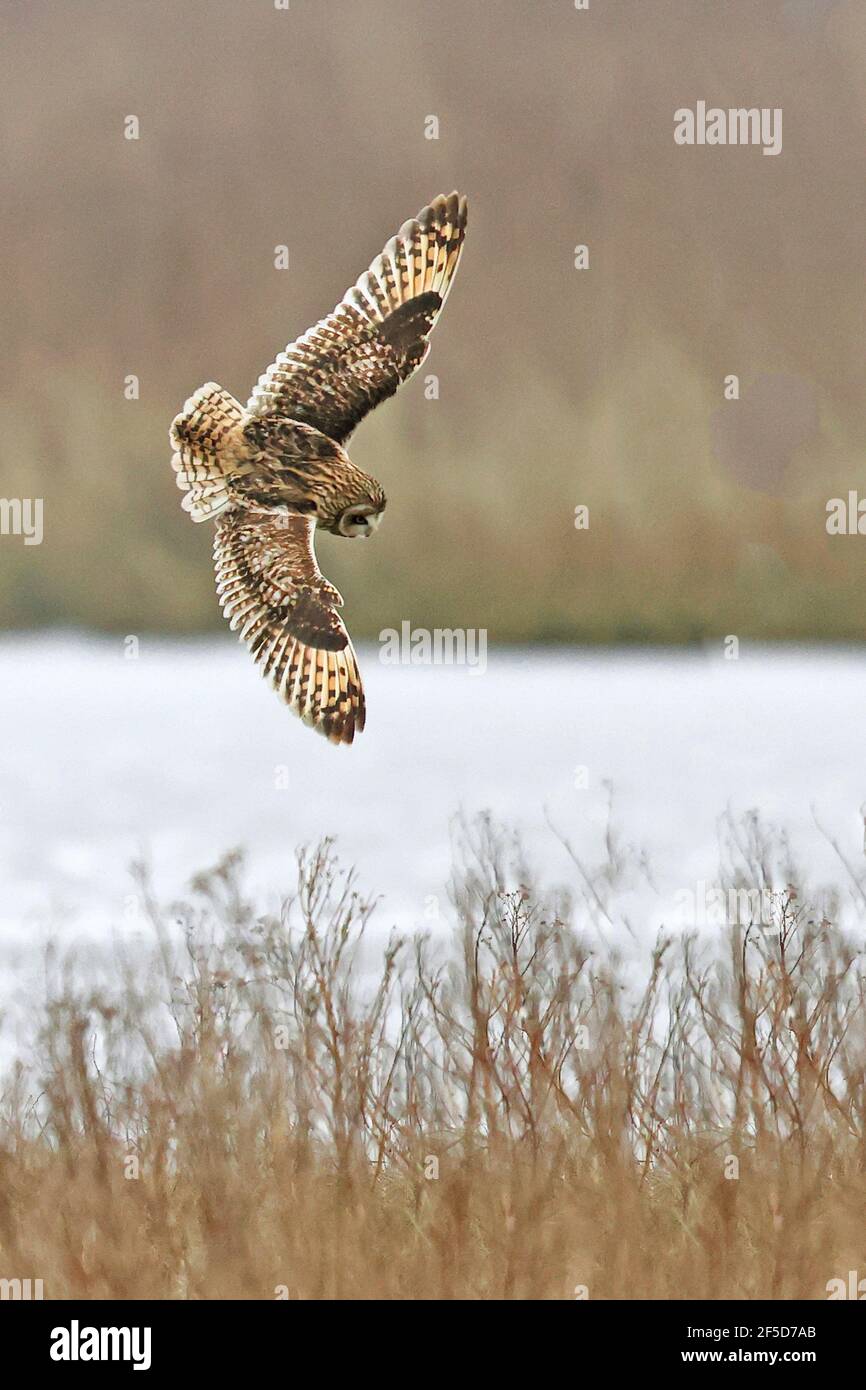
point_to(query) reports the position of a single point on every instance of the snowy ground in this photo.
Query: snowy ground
(185, 753)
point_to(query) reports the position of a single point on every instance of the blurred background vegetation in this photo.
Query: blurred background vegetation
(558, 386)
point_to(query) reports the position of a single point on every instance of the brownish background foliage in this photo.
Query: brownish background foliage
(557, 387)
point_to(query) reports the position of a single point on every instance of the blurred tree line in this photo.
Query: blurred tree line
(558, 387)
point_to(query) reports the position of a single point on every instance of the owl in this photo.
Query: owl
(273, 472)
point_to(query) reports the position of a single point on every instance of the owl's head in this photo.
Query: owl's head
(360, 520)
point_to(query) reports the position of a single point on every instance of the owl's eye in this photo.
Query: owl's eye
(356, 524)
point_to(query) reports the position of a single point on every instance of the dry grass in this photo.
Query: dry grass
(266, 1105)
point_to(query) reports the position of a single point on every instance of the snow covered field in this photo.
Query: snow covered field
(185, 753)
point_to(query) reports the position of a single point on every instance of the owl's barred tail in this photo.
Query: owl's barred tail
(209, 447)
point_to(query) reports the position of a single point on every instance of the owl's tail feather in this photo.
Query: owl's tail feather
(209, 448)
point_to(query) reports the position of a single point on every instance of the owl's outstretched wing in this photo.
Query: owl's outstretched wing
(274, 595)
(377, 335)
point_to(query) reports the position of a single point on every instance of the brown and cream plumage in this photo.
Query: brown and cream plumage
(271, 472)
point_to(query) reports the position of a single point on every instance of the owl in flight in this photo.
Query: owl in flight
(271, 472)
